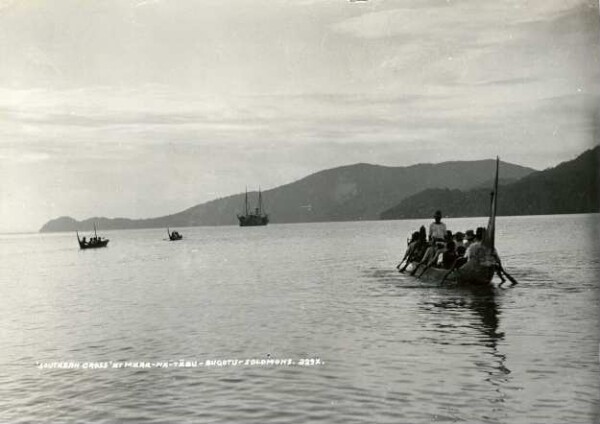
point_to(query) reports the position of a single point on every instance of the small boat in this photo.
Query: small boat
(93, 243)
(474, 273)
(174, 235)
(256, 218)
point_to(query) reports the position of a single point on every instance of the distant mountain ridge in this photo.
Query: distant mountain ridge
(570, 187)
(354, 192)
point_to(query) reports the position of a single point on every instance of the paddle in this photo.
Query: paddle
(508, 276)
(404, 267)
(410, 256)
(407, 256)
(449, 272)
(425, 259)
(414, 271)
(431, 262)
(501, 271)
(400, 263)
(429, 265)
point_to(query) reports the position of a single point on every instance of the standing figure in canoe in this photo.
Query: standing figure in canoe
(437, 229)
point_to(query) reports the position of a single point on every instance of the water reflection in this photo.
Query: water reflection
(457, 311)
(483, 305)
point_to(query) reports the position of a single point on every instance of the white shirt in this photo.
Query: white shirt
(437, 230)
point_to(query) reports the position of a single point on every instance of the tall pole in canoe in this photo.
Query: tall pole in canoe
(491, 229)
(95, 234)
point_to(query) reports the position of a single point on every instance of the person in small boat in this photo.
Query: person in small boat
(474, 252)
(420, 249)
(427, 256)
(460, 256)
(410, 250)
(414, 239)
(479, 253)
(430, 258)
(474, 249)
(486, 257)
(83, 241)
(423, 233)
(470, 238)
(437, 229)
(416, 249)
(458, 262)
(422, 246)
(439, 248)
(459, 238)
(449, 256)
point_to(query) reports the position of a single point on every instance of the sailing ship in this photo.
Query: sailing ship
(252, 219)
(474, 272)
(93, 243)
(174, 235)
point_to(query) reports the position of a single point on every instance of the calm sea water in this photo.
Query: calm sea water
(391, 349)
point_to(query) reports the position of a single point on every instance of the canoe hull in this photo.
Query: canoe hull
(470, 274)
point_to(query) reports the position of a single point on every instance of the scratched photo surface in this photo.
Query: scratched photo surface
(203, 206)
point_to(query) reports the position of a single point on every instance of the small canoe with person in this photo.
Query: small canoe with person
(93, 242)
(174, 235)
(465, 259)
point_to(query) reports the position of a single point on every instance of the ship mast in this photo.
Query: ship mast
(246, 201)
(259, 201)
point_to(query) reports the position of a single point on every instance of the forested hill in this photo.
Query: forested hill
(354, 192)
(570, 187)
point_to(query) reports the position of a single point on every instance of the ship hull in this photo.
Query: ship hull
(253, 220)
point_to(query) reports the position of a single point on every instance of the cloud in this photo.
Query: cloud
(158, 97)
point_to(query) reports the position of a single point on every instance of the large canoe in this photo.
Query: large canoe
(475, 272)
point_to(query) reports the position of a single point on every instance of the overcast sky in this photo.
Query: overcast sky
(141, 108)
